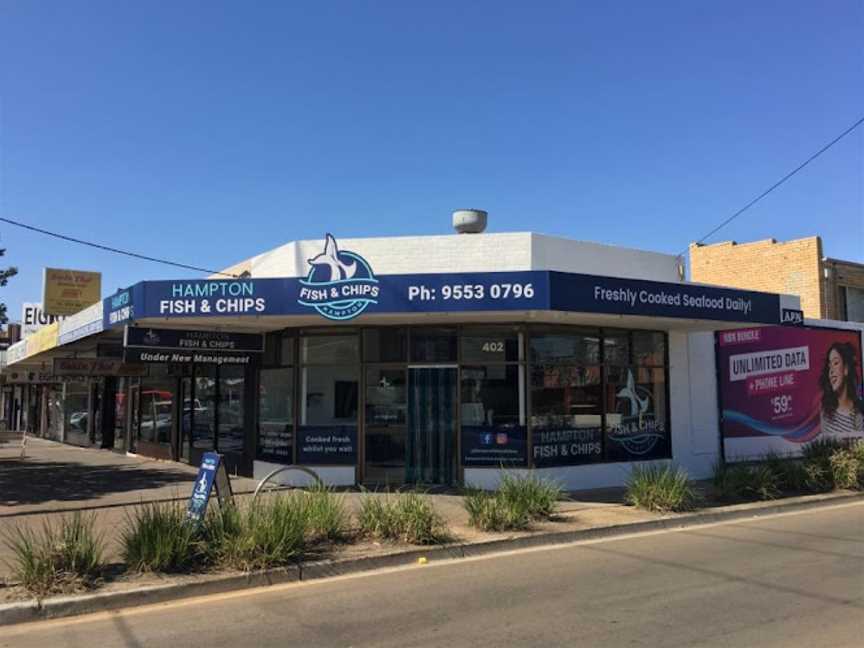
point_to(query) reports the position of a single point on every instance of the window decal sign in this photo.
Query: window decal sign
(340, 284)
(493, 446)
(635, 427)
(782, 387)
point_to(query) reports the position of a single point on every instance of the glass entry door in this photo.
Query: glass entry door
(431, 439)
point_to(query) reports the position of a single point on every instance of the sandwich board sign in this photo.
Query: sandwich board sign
(211, 473)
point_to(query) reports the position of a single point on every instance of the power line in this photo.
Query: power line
(779, 182)
(107, 248)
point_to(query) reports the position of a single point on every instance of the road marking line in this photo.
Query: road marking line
(445, 562)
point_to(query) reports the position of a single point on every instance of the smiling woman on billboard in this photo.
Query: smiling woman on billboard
(842, 411)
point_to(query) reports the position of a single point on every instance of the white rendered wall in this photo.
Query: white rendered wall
(565, 255)
(475, 253)
(408, 254)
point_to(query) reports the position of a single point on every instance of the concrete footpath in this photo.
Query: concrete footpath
(54, 477)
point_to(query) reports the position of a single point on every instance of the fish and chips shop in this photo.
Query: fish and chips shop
(434, 360)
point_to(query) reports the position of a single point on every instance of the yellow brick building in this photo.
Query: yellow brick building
(828, 288)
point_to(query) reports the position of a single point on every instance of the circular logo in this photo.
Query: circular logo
(340, 284)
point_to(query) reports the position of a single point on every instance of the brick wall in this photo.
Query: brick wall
(793, 267)
(840, 275)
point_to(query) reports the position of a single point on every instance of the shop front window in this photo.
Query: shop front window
(598, 396)
(201, 409)
(575, 346)
(636, 413)
(329, 400)
(54, 411)
(635, 396)
(120, 409)
(493, 344)
(386, 422)
(567, 416)
(493, 415)
(385, 345)
(330, 349)
(76, 412)
(157, 406)
(232, 413)
(566, 404)
(276, 415)
(433, 345)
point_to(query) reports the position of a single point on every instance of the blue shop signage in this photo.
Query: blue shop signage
(340, 284)
(119, 308)
(592, 294)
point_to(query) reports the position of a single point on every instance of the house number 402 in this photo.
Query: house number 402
(493, 347)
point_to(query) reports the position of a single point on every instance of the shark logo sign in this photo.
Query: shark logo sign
(340, 284)
(637, 429)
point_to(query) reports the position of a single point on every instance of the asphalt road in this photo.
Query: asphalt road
(790, 580)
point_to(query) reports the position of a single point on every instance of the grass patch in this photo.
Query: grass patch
(267, 532)
(158, 538)
(403, 517)
(661, 489)
(517, 502)
(62, 558)
(537, 497)
(490, 512)
(327, 516)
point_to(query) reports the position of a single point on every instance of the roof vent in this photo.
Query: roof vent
(469, 221)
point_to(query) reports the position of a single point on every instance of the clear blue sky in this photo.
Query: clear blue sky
(208, 132)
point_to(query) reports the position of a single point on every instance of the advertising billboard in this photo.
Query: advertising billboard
(65, 292)
(782, 387)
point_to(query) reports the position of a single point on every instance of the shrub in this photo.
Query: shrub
(62, 558)
(491, 512)
(536, 497)
(764, 482)
(158, 537)
(405, 517)
(793, 475)
(833, 463)
(760, 481)
(790, 472)
(266, 532)
(730, 481)
(660, 488)
(818, 476)
(857, 450)
(327, 517)
(844, 468)
(821, 449)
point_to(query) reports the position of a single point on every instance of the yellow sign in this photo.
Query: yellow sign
(66, 292)
(43, 339)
